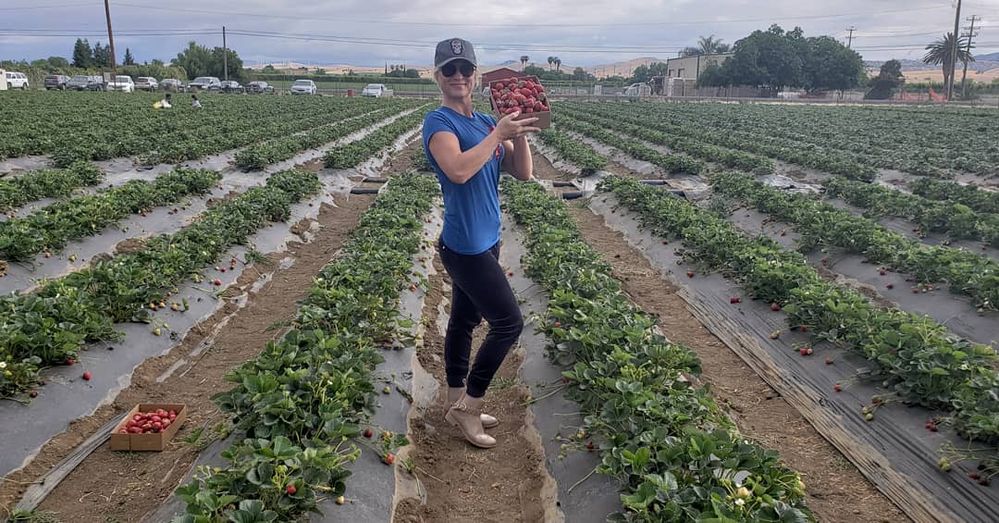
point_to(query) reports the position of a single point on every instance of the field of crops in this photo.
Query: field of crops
(724, 302)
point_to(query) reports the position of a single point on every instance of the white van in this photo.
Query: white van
(3, 80)
(16, 80)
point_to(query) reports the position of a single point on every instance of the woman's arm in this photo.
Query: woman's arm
(459, 167)
(518, 160)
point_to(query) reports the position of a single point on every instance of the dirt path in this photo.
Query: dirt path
(465, 484)
(837, 491)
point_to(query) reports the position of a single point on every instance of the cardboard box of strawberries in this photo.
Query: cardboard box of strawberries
(522, 92)
(148, 427)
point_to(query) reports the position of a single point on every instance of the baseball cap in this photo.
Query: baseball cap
(453, 49)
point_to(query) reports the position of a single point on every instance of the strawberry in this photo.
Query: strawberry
(368, 433)
(389, 458)
(735, 299)
(805, 351)
(838, 388)
(87, 375)
(775, 307)
(558, 325)
(690, 274)
(829, 361)
(290, 489)
(70, 361)
(890, 286)
(217, 282)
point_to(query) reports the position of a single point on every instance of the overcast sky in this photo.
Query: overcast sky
(372, 32)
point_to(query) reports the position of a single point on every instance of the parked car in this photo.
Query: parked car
(173, 85)
(86, 83)
(3, 80)
(232, 86)
(123, 83)
(205, 83)
(304, 87)
(16, 80)
(376, 90)
(56, 81)
(146, 83)
(259, 87)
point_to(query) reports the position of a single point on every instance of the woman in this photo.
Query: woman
(467, 150)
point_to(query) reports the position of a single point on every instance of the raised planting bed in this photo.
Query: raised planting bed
(353, 153)
(909, 359)
(46, 183)
(302, 401)
(676, 455)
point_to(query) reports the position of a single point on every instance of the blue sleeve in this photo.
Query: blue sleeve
(433, 123)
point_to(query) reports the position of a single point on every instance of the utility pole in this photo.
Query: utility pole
(953, 54)
(964, 75)
(225, 56)
(849, 42)
(107, 14)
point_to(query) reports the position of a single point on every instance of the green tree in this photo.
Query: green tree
(772, 58)
(129, 59)
(58, 62)
(580, 74)
(640, 74)
(830, 65)
(551, 61)
(558, 63)
(883, 85)
(270, 69)
(713, 76)
(198, 60)
(658, 69)
(83, 55)
(102, 56)
(940, 52)
(523, 61)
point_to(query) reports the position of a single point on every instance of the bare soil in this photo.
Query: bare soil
(464, 483)
(837, 491)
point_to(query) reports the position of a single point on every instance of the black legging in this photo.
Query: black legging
(479, 289)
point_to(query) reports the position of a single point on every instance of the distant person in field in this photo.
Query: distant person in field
(195, 103)
(165, 103)
(467, 150)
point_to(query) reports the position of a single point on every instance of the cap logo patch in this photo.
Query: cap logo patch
(457, 47)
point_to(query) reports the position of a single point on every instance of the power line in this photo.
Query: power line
(49, 6)
(479, 24)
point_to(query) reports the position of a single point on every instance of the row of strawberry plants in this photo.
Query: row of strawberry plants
(191, 144)
(675, 453)
(693, 147)
(800, 154)
(47, 183)
(918, 359)
(955, 219)
(878, 136)
(820, 223)
(974, 197)
(574, 151)
(302, 400)
(352, 154)
(275, 150)
(48, 327)
(50, 228)
(671, 163)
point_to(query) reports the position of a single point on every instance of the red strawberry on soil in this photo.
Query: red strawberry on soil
(87, 375)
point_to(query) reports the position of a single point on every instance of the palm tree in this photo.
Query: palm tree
(706, 45)
(941, 52)
(551, 60)
(523, 61)
(558, 63)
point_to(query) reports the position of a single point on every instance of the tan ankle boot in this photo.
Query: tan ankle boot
(465, 414)
(453, 393)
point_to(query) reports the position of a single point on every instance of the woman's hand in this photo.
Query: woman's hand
(507, 128)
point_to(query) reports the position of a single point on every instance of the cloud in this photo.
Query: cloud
(373, 32)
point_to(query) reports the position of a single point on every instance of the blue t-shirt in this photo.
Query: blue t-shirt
(472, 209)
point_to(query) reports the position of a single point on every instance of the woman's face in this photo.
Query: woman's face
(458, 85)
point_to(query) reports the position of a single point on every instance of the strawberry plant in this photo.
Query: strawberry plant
(917, 358)
(822, 224)
(50, 228)
(675, 453)
(353, 153)
(671, 163)
(303, 399)
(978, 199)
(573, 151)
(48, 326)
(47, 183)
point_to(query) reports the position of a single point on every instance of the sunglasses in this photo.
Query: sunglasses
(450, 68)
